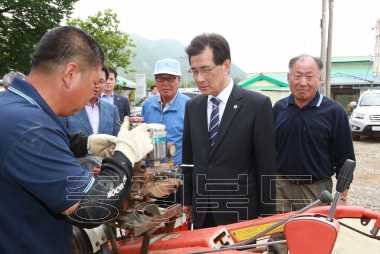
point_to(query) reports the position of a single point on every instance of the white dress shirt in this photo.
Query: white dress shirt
(223, 97)
(93, 114)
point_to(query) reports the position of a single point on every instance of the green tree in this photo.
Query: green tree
(22, 24)
(191, 83)
(115, 43)
(149, 83)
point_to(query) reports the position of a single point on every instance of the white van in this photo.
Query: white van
(365, 119)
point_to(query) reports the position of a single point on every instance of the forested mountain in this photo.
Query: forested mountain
(148, 52)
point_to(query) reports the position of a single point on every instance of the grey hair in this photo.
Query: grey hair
(296, 58)
(8, 78)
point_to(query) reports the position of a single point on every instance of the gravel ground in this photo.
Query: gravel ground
(363, 192)
(364, 189)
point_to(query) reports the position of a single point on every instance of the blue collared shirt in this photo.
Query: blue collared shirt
(172, 118)
(36, 167)
(109, 99)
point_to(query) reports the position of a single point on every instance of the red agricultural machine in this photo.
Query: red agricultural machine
(144, 227)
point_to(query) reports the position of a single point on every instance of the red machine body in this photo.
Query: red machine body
(301, 234)
(307, 233)
(151, 229)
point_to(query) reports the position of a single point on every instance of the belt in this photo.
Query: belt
(298, 179)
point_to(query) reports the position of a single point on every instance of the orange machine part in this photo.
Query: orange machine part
(192, 249)
(311, 235)
(184, 227)
(300, 233)
(170, 241)
(348, 212)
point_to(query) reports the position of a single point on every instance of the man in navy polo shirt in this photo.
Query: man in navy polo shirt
(44, 189)
(313, 138)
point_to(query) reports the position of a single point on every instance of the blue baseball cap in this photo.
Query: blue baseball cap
(167, 66)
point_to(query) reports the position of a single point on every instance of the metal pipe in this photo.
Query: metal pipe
(329, 49)
(323, 48)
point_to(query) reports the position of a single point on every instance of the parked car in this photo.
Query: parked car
(365, 118)
(136, 110)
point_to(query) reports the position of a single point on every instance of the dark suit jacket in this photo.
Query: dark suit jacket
(233, 179)
(122, 104)
(107, 123)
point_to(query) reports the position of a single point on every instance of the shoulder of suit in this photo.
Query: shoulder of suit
(116, 95)
(197, 99)
(107, 105)
(252, 94)
(81, 112)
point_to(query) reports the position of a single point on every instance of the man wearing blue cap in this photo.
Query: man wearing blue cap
(168, 106)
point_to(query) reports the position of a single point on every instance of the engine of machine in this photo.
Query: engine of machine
(147, 209)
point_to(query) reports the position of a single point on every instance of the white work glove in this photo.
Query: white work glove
(101, 145)
(134, 144)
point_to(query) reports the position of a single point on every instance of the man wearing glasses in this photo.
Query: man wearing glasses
(168, 106)
(98, 116)
(228, 137)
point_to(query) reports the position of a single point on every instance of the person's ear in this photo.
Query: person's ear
(70, 72)
(227, 66)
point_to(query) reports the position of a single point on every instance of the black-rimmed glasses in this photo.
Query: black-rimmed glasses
(195, 73)
(162, 79)
(101, 82)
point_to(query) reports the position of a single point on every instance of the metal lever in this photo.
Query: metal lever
(325, 197)
(344, 179)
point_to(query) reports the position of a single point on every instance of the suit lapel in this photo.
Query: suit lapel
(102, 113)
(83, 117)
(202, 116)
(116, 100)
(232, 107)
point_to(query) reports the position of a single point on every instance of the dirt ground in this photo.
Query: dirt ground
(363, 192)
(364, 189)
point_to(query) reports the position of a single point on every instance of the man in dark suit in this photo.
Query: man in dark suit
(233, 155)
(120, 101)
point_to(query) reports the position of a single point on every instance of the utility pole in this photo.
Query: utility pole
(323, 48)
(376, 60)
(186, 72)
(329, 49)
(185, 68)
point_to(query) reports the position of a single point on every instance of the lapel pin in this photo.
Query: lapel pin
(235, 106)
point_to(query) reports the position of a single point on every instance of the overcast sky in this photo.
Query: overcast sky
(263, 34)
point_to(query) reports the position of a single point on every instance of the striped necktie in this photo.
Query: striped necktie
(214, 121)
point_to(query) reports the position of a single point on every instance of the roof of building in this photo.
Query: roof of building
(351, 59)
(246, 82)
(125, 82)
(354, 71)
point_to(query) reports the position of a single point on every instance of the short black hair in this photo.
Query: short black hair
(112, 70)
(152, 87)
(105, 69)
(218, 44)
(65, 44)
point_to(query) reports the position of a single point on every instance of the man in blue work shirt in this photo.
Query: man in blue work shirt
(313, 138)
(44, 188)
(168, 108)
